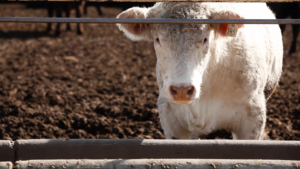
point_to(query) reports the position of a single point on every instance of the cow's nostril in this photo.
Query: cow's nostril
(182, 92)
(173, 90)
(190, 91)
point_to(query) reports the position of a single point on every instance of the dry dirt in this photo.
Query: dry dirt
(100, 84)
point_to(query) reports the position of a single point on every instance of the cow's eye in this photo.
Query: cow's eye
(157, 40)
(205, 40)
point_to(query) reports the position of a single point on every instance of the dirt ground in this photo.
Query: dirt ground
(100, 84)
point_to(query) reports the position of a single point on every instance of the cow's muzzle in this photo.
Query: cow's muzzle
(182, 94)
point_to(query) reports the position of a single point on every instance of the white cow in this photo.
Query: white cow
(207, 80)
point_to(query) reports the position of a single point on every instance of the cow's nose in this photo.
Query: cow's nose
(182, 93)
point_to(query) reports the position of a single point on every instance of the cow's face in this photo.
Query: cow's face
(182, 54)
(182, 49)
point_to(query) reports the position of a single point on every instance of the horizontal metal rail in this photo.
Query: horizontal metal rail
(157, 164)
(46, 149)
(167, 0)
(42, 153)
(149, 21)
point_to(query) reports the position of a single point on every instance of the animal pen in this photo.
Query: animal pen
(149, 154)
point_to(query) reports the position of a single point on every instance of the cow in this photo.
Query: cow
(207, 79)
(284, 10)
(67, 7)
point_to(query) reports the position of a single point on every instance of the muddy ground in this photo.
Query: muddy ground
(100, 84)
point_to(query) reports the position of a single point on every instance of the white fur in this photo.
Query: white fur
(233, 77)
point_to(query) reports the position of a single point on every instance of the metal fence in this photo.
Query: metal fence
(150, 21)
(162, 0)
(153, 21)
(163, 154)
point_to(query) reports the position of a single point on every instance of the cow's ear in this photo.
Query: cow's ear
(137, 31)
(226, 29)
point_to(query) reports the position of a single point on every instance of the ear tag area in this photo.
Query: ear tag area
(229, 29)
(232, 30)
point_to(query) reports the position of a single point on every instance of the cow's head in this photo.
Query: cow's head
(182, 49)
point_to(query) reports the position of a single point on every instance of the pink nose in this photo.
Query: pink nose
(182, 93)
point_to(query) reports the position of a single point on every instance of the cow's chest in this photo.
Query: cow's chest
(205, 116)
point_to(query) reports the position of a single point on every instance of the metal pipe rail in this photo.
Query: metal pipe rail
(157, 164)
(149, 21)
(165, 0)
(46, 149)
(138, 149)
(150, 154)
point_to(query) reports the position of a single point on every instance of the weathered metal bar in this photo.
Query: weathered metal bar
(5, 164)
(6, 150)
(173, 0)
(157, 164)
(150, 21)
(138, 149)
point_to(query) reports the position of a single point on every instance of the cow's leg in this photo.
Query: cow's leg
(253, 121)
(50, 14)
(58, 14)
(170, 123)
(295, 36)
(295, 15)
(79, 12)
(99, 9)
(68, 15)
(282, 28)
(85, 9)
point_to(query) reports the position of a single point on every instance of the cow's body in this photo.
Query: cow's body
(208, 81)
